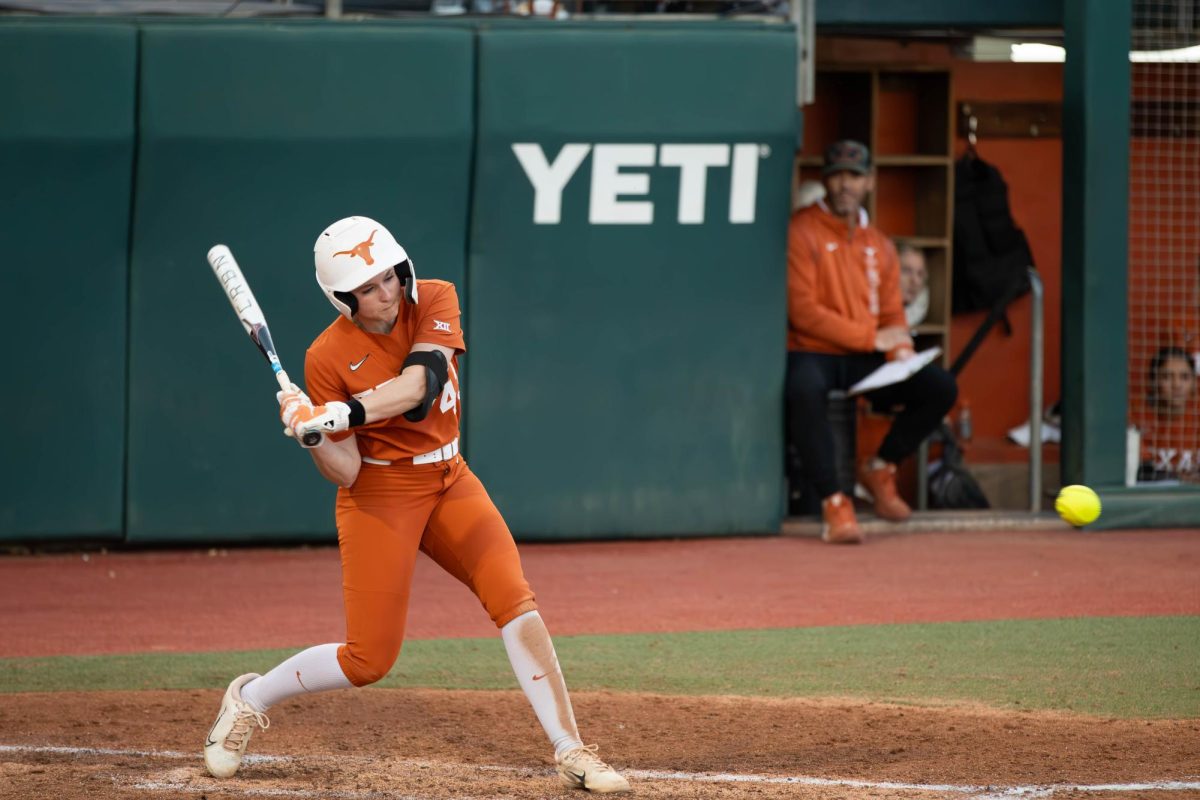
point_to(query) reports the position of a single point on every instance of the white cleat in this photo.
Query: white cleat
(581, 768)
(227, 739)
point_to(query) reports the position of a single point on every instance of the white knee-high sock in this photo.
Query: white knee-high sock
(535, 663)
(313, 670)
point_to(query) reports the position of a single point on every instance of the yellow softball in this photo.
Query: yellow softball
(1077, 504)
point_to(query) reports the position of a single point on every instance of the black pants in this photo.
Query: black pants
(920, 403)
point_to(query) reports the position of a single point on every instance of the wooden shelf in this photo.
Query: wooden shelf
(912, 201)
(924, 241)
(887, 161)
(913, 161)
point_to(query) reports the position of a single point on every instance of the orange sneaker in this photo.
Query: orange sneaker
(841, 526)
(880, 483)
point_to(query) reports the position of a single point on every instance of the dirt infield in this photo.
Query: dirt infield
(431, 744)
(389, 743)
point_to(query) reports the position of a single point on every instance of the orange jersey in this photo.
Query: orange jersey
(843, 285)
(1170, 445)
(345, 361)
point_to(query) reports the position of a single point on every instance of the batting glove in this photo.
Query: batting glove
(291, 401)
(332, 417)
(292, 389)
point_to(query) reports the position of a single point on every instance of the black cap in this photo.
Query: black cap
(847, 155)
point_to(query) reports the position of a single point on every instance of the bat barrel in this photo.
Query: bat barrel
(237, 290)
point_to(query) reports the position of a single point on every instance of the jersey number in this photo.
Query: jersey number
(449, 397)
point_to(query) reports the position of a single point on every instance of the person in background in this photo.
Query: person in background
(846, 319)
(914, 283)
(1169, 422)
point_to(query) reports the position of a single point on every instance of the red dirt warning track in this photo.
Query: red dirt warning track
(184, 600)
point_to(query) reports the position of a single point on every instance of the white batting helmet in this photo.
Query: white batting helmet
(351, 252)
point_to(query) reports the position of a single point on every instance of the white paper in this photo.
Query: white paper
(895, 371)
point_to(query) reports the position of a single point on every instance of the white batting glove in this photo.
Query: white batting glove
(289, 402)
(332, 417)
(292, 389)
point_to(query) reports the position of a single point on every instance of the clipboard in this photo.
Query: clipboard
(895, 371)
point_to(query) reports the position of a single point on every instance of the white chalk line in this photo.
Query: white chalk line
(249, 758)
(977, 792)
(208, 788)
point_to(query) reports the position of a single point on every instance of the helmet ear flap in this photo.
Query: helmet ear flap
(349, 299)
(408, 276)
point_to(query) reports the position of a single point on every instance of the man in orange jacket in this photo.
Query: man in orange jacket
(845, 318)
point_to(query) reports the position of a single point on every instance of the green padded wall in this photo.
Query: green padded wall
(1095, 243)
(626, 337)
(66, 168)
(258, 136)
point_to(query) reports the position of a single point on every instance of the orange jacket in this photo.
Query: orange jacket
(843, 284)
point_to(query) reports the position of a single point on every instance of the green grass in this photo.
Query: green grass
(1123, 667)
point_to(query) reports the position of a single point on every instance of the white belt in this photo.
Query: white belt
(443, 453)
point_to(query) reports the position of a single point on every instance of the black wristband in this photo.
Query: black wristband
(358, 414)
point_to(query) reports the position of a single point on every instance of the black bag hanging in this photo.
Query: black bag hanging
(991, 254)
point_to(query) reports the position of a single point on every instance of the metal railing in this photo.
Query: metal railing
(1036, 389)
(1036, 381)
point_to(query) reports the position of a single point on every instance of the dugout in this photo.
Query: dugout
(1096, 151)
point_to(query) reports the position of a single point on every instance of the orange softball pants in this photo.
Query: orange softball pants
(389, 514)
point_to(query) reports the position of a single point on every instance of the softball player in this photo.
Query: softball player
(387, 400)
